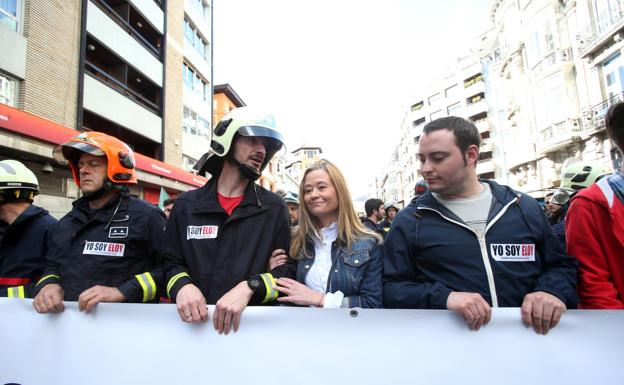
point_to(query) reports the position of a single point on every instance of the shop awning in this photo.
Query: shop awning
(39, 128)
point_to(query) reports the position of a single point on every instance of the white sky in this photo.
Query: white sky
(336, 73)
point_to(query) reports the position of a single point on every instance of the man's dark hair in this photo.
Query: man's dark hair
(169, 201)
(372, 204)
(465, 131)
(615, 124)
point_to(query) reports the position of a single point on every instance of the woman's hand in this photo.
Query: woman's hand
(298, 293)
(278, 258)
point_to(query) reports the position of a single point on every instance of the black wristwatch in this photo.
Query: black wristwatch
(255, 283)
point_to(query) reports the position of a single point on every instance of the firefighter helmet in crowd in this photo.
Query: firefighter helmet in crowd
(560, 197)
(291, 197)
(120, 157)
(580, 175)
(17, 182)
(246, 122)
(391, 205)
(420, 188)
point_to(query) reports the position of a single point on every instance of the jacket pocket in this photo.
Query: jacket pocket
(355, 267)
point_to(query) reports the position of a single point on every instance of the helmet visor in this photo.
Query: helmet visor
(64, 153)
(560, 198)
(264, 132)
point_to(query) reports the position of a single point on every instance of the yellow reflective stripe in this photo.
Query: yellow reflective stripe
(173, 280)
(10, 292)
(139, 278)
(48, 276)
(269, 282)
(152, 284)
(148, 285)
(20, 291)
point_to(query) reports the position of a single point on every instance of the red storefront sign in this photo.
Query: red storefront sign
(31, 125)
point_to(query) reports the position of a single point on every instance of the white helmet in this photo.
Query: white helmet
(17, 182)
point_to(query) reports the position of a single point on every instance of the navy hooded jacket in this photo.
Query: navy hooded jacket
(430, 252)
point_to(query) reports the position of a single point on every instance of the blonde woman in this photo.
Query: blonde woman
(337, 263)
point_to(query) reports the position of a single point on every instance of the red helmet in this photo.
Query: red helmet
(119, 155)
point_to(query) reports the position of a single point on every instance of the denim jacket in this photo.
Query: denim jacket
(356, 272)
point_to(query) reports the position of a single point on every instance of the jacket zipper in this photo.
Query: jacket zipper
(482, 245)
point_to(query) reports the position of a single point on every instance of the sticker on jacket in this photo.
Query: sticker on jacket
(104, 248)
(118, 232)
(513, 253)
(201, 232)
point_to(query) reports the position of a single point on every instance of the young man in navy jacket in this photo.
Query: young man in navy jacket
(469, 245)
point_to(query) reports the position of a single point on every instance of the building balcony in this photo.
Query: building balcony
(599, 31)
(483, 125)
(487, 146)
(127, 46)
(594, 117)
(486, 166)
(554, 61)
(474, 86)
(558, 135)
(110, 103)
(476, 108)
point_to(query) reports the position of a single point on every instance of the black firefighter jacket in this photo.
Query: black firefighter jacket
(23, 247)
(117, 245)
(205, 246)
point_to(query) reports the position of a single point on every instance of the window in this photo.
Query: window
(434, 99)
(187, 76)
(8, 14)
(453, 109)
(452, 91)
(188, 162)
(194, 39)
(436, 115)
(8, 91)
(193, 124)
(310, 153)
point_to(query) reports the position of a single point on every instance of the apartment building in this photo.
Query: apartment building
(112, 66)
(300, 159)
(460, 90)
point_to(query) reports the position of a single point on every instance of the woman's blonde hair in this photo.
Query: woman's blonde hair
(349, 225)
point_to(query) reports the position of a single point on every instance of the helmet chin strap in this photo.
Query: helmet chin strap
(246, 171)
(108, 185)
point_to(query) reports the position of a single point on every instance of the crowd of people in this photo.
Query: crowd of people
(463, 244)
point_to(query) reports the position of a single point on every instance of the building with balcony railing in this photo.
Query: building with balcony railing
(460, 90)
(107, 65)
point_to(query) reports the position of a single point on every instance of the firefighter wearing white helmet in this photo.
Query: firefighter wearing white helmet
(580, 175)
(248, 123)
(24, 230)
(220, 237)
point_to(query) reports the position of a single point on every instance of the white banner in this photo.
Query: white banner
(148, 344)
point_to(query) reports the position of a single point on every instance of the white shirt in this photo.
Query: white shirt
(317, 277)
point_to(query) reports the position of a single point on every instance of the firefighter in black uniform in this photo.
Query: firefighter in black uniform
(107, 248)
(219, 238)
(25, 231)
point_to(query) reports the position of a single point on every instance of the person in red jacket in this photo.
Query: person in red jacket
(595, 231)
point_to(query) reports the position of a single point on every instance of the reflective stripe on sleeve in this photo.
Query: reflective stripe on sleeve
(15, 292)
(173, 280)
(269, 283)
(48, 277)
(148, 285)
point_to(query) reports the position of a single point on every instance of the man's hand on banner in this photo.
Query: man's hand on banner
(191, 304)
(229, 308)
(475, 310)
(96, 294)
(50, 299)
(542, 311)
